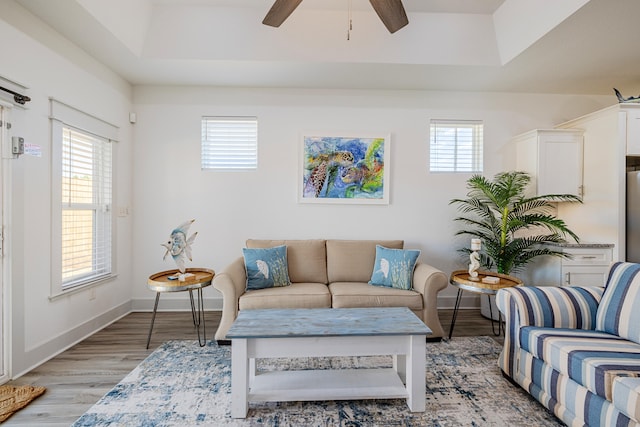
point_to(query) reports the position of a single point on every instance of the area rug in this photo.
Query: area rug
(14, 398)
(182, 384)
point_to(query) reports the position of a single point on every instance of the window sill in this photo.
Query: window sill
(79, 288)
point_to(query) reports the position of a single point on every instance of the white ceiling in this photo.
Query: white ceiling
(550, 46)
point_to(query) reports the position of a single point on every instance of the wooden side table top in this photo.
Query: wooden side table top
(159, 282)
(460, 279)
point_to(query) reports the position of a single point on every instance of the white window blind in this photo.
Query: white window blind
(82, 224)
(229, 143)
(456, 146)
(86, 207)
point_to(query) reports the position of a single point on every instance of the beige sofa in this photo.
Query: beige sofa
(329, 273)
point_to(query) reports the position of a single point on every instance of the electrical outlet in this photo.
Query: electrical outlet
(92, 294)
(123, 211)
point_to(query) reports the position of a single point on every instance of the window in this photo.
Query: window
(229, 143)
(455, 146)
(82, 200)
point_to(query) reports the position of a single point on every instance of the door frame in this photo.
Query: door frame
(5, 278)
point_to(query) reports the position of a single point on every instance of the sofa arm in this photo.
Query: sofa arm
(428, 281)
(545, 306)
(552, 306)
(231, 282)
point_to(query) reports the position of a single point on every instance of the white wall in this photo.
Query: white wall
(51, 67)
(159, 177)
(229, 207)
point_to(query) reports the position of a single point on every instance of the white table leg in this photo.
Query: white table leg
(239, 378)
(415, 377)
(252, 370)
(400, 366)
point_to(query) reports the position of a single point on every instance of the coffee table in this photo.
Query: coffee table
(327, 332)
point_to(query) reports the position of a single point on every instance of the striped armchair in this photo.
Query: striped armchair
(577, 349)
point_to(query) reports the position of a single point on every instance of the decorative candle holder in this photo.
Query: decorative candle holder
(474, 258)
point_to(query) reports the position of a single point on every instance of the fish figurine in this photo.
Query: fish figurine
(179, 246)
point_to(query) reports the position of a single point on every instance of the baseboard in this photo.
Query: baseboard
(169, 302)
(37, 355)
(469, 300)
(180, 302)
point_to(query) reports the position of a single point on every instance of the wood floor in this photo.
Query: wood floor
(80, 376)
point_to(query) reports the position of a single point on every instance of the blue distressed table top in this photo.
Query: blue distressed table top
(325, 322)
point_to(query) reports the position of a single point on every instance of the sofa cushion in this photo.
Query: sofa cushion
(626, 396)
(307, 259)
(393, 268)
(352, 260)
(358, 294)
(298, 295)
(266, 268)
(619, 309)
(593, 359)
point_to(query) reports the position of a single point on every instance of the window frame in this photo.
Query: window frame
(63, 117)
(475, 154)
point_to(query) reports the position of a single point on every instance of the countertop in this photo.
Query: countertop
(583, 245)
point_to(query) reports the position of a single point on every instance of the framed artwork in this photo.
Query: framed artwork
(345, 168)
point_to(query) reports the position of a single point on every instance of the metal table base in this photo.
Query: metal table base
(197, 313)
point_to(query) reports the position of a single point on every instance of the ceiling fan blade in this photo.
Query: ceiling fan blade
(280, 11)
(392, 13)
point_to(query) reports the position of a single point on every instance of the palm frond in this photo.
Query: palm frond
(498, 212)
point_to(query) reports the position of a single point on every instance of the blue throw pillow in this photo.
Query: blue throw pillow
(266, 268)
(393, 268)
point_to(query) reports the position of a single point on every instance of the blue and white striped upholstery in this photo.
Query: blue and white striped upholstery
(619, 310)
(626, 396)
(590, 358)
(577, 349)
(557, 307)
(567, 399)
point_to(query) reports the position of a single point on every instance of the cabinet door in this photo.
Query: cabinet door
(560, 163)
(584, 276)
(633, 132)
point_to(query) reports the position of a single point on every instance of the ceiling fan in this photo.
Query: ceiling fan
(391, 13)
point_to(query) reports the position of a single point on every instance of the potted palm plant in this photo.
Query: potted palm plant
(512, 226)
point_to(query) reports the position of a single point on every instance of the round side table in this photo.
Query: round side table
(460, 279)
(165, 281)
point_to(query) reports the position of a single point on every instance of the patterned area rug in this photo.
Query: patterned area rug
(182, 384)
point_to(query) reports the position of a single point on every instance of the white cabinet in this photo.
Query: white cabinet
(587, 266)
(553, 158)
(633, 130)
